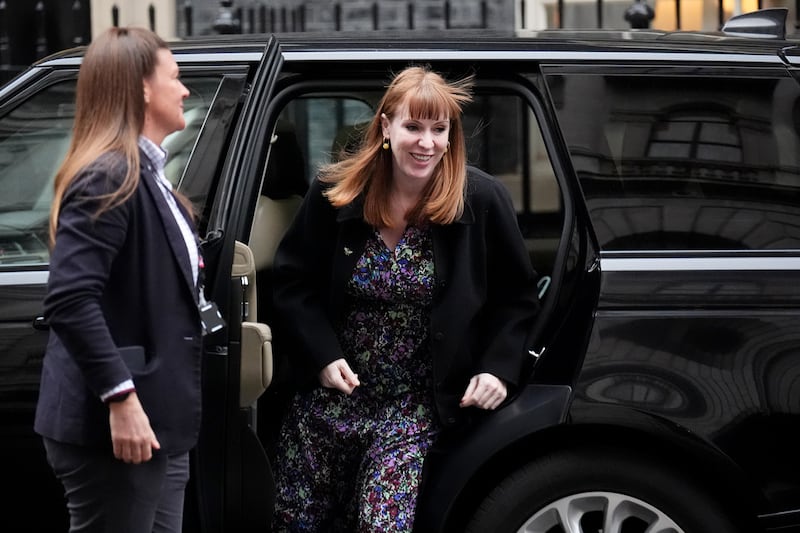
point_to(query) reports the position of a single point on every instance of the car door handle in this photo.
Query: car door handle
(595, 265)
(41, 324)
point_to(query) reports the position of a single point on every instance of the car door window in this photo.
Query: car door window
(34, 138)
(685, 162)
(180, 144)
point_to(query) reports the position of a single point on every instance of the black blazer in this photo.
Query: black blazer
(484, 306)
(120, 286)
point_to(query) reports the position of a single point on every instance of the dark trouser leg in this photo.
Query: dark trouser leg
(169, 513)
(105, 495)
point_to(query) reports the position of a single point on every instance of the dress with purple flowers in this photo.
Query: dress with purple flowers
(353, 463)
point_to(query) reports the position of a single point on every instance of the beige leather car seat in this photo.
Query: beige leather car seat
(282, 192)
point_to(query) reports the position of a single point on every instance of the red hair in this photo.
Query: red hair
(368, 170)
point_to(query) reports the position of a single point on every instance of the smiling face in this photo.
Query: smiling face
(417, 144)
(164, 94)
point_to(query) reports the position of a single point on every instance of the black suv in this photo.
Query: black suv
(656, 178)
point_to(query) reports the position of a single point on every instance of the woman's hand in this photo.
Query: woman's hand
(485, 391)
(338, 375)
(131, 434)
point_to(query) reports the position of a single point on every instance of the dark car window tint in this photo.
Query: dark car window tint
(503, 138)
(34, 138)
(689, 163)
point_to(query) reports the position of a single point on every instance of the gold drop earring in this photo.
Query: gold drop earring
(385, 145)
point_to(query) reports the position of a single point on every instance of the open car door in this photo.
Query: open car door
(231, 477)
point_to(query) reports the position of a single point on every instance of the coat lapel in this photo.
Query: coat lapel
(173, 232)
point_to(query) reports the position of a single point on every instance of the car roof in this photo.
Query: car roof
(466, 44)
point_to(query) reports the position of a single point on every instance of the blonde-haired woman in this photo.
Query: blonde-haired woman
(119, 404)
(408, 296)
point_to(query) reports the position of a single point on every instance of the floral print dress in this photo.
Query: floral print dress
(354, 463)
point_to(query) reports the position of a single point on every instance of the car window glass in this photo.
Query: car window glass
(179, 144)
(685, 163)
(34, 138)
(503, 138)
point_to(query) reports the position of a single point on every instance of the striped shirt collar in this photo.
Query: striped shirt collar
(156, 154)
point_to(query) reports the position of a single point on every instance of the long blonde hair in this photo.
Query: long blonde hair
(109, 110)
(369, 169)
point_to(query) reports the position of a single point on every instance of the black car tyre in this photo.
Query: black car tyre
(583, 491)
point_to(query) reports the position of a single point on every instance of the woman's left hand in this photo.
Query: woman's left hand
(485, 391)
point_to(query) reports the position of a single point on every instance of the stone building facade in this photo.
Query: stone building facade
(358, 15)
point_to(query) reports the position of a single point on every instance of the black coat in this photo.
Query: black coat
(484, 304)
(120, 280)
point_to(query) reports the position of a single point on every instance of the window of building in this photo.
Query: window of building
(696, 134)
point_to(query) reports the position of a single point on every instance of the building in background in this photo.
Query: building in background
(159, 15)
(321, 15)
(316, 15)
(30, 30)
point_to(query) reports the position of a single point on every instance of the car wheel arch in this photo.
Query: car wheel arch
(590, 431)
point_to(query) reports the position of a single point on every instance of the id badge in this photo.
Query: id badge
(211, 318)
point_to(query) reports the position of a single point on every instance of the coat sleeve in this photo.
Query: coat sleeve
(512, 301)
(303, 269)
(86, 245)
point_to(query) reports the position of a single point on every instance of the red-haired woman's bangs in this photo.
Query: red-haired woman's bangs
(429, 101)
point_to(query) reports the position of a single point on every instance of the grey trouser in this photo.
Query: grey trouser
(105, 495)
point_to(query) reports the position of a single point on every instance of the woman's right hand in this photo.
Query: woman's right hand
(338, 375)
(131, 434)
